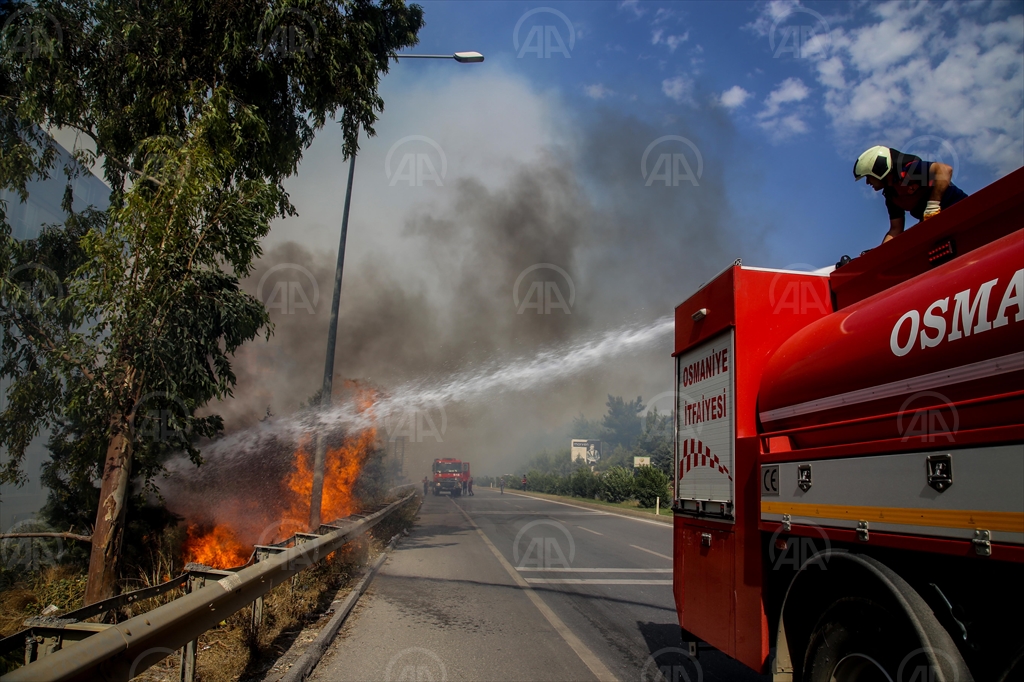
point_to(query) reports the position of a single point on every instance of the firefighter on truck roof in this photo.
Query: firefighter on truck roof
(923, 188)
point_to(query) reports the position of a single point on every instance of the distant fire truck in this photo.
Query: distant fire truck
(450, 475)
(849, 484)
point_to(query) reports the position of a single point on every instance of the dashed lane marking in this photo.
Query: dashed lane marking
(589, 531)
(651, 551)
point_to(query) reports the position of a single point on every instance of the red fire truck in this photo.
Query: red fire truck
(450, 476)
(849, 457)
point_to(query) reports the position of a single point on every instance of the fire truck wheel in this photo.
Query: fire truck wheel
(856, 640)
(1014, 671)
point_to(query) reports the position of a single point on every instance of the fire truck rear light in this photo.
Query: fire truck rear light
(942, 252)
(700, 315)
(781, 544)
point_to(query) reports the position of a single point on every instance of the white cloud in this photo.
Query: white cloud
(658, 37)
(734, 97)
(679, 89)
(789, 90)
(772, 12)
(661, 15)
(633, 6)
(896, 73)
(597, 91)
(784, 124)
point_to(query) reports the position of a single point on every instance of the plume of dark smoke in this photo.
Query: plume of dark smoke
(633, 251)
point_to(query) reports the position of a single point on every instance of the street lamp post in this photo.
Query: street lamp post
(316, 498)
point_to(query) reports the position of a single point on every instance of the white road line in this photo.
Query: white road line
(603, 513)
(594, 570)
(589, 531)
(534, 513)
(589, 658)
(593, 581)
(651, 551)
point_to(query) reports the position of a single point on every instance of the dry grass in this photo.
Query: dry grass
(232, 651)
(62, 586)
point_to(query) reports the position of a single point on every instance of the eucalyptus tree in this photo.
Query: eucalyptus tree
(118, 325)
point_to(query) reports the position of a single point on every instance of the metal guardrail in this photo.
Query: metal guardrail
(122, 651)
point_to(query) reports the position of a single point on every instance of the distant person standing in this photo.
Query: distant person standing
(465, 484)
(425, 484)
(501, 484)
(471, 486)
(524, 481)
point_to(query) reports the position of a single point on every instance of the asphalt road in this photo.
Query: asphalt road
(505, 587)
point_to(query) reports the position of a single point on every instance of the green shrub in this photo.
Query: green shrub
(617, 484)
(650, 483)
(583, 483)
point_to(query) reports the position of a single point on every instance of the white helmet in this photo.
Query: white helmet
(875, 162)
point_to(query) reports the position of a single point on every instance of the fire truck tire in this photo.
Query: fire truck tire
(1015, 670)
(855, 640)
(859, 618)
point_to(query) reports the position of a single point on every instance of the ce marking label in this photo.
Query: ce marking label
(770, 481)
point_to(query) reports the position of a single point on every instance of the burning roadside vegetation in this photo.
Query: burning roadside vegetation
(263, 496)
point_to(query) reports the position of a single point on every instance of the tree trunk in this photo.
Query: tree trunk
(109, 529)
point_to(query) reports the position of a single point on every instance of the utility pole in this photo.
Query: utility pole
(316, 497)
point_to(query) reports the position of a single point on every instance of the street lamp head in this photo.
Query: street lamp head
(468, 57)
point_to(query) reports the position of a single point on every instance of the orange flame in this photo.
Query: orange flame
(218, 548)
(342, 466)
(221, 546)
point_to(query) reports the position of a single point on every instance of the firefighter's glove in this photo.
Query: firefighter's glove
(931, 209)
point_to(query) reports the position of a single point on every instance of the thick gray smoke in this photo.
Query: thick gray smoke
(444, 299)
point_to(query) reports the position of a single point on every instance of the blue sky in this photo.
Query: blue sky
(842, 77)
(541, 156)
